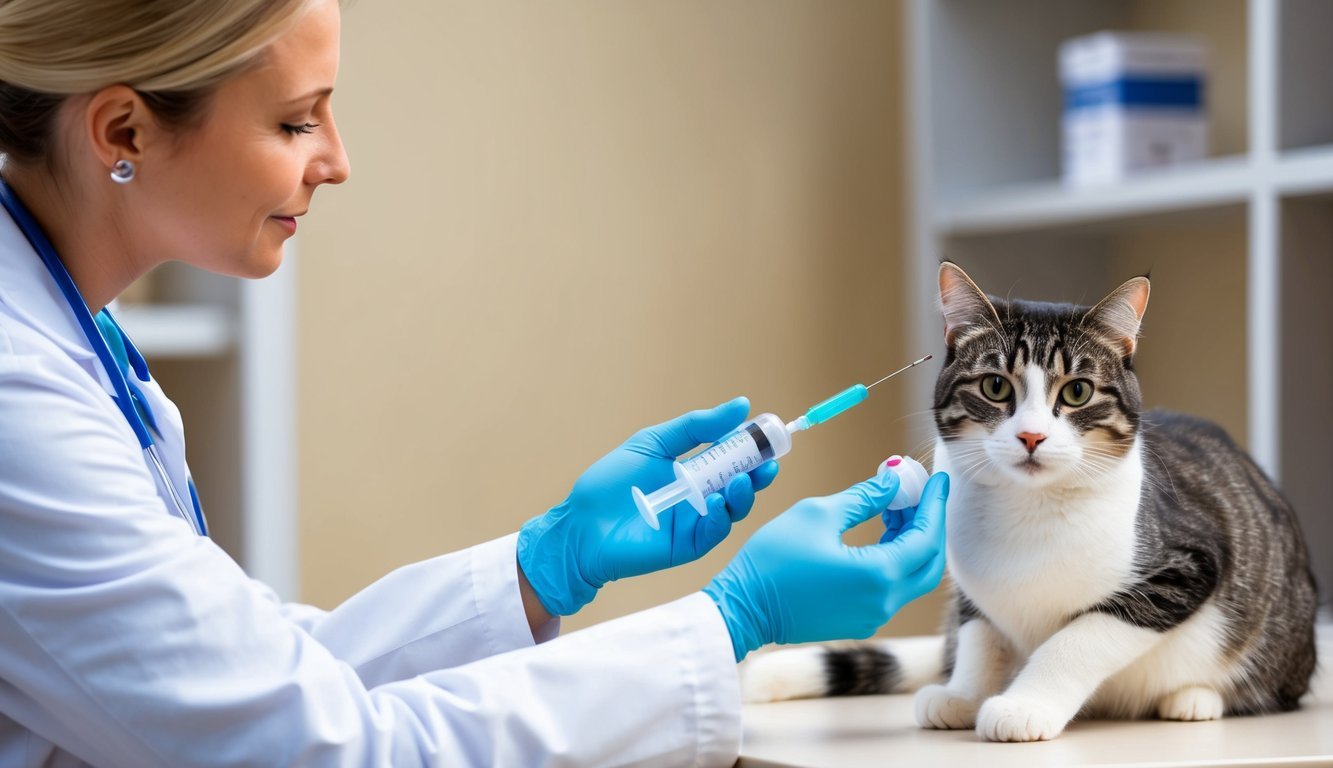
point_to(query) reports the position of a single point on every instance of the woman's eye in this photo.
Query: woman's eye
(299, 128)
(996, 388)
(1077, 392)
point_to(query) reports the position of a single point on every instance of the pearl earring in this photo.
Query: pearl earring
(122, 172)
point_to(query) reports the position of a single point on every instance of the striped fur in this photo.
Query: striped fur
(1106, 561)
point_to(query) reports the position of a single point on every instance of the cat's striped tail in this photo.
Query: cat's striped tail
(894, 665)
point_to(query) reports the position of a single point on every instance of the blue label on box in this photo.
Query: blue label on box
(1138, 92)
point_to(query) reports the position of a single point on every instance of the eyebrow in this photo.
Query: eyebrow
(317, 92)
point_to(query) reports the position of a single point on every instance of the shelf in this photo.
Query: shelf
(989, 81)
(1052, 205)
(1305, 104)
(178, 330)
(1306, 338)
(1305, 171)
(1238, 244)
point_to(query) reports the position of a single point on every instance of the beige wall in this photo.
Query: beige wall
(570, 220)
(1191, 354)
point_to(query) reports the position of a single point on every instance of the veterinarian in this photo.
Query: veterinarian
(136, 133)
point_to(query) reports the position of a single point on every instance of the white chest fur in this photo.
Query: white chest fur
(1030, 558)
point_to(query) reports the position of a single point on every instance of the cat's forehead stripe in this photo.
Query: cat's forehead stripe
(1024, 341)
(1046, 335)
(1017, 349)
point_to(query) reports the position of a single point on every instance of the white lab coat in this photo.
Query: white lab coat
(127, 640)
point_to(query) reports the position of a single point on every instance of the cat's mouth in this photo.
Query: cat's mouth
(1031, 465)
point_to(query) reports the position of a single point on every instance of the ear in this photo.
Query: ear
(1121, 313)
(963, 303)
(118, 125)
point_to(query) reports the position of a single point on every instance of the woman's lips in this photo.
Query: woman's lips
(287, 221)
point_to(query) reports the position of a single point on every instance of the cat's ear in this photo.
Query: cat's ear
(1121, 313)
(962, 303)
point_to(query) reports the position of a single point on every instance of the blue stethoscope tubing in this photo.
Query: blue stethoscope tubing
(123, 398)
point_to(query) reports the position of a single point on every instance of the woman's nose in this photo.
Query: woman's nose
(332, 165)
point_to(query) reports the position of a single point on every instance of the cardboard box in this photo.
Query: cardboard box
(1133, 102)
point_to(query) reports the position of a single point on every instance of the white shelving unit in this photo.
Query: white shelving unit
(224, 351)
(1242, 241)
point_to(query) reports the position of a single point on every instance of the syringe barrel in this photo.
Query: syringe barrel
(762, 438)
(835, 405)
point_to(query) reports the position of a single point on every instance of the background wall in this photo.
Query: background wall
(568, 221)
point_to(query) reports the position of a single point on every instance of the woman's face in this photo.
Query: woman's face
(225, 195)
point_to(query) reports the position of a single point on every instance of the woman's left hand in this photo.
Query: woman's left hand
(597, 535)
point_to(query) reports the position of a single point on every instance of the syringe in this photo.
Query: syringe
(762, 438)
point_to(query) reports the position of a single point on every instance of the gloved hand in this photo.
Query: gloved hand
(795, 581)
(597, 535)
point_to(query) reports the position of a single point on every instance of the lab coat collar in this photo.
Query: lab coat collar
(32, 295)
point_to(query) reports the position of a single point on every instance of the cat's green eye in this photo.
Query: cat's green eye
(1077, 392)
(996, 388)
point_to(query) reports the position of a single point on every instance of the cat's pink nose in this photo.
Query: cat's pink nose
(1032, 439)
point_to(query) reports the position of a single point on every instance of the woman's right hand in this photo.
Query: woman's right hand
(795, 581)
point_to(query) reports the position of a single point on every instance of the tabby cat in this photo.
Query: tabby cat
(1106, 562)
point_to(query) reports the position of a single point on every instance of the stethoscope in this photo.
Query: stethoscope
(127, 394)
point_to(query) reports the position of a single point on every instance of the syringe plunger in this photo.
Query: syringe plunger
(754, 442)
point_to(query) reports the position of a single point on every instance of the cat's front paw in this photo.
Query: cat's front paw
(1196, 703)
(938, 707)
(1005, 718)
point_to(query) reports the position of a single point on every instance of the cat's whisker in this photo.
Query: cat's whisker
(928, 412)
(970, 471)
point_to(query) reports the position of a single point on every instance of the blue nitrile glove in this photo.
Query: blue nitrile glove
(597, 535)
(795, 581)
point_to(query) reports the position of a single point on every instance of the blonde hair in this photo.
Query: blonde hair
(175, 53)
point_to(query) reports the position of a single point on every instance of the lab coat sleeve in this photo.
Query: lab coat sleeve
(463, 607)
(126, 640)
(655, 688)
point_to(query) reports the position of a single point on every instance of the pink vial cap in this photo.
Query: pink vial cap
(893, 461)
